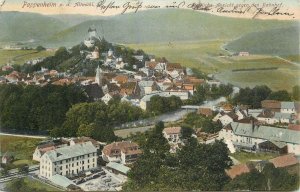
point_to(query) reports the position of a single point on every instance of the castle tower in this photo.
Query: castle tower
(92, 32)
(98, 78)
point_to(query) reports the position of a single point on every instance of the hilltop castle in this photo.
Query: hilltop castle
(92, 36)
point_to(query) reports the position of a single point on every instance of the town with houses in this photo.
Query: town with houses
(83, 163)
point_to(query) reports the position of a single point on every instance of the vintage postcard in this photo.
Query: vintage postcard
(149, 95)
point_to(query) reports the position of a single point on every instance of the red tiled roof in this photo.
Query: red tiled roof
(172, 66)
(294, 127)
(126, 147)
(284, 160)
(205, 111)
(238, 170)
(172, 130)
(271, 104)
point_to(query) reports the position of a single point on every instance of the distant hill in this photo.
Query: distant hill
(143, 27)
(167, 25)
(19, 26)
(75, 19)
(282, 41)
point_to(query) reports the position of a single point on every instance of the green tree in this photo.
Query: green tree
(40, 48)
(253, 181)
(282, 95)
(296, 93)
(86, 130)
(24, 168)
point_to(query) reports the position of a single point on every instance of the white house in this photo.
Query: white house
(288, 107)
(240, 114)
(172, 134)
(269, 117)
(260, 138)
(68, 160)
(124, 152)
(282, 117)
(107, 97)
(147, 87)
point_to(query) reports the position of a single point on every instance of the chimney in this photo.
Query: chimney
(252, 124)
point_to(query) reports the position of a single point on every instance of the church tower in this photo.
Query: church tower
(98, 78)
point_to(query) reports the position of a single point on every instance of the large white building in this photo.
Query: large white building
(68, 160)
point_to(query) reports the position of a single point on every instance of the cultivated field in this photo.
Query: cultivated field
(21, 56)
(209, 57)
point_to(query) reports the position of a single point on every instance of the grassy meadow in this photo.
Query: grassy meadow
(209, 57)
(21, 56)
(22, 147)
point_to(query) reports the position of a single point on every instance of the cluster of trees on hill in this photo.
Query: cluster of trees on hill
(36, 108)
(206, 124)
(194, 167)
(270, 179)
(159, 105)
(206, 92)
(73, 60)
(97, 119)
(254, 96)
(62, 110)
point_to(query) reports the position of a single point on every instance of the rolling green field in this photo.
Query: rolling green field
(244, 157)
(21, 56)
(207, 56)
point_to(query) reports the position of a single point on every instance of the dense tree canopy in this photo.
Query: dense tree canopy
(296, 93)
(206, 92)
(36, 108)
(206, 124)
(271, 179)
(194, 167)
(282, 95)
(252, 97)
(97, 119)
(160, 104)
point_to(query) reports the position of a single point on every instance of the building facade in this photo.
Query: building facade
(69, 160)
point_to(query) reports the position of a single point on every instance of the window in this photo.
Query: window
(88, 166)
(82, 162)
(60, 168)
(77, 163)
(67, 166)
(88, 155)
(72, 164)
(88, 161)
(77, 158)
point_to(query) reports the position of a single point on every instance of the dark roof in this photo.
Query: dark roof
(232, 115)
(94, 91)
(247, 120)
(266, 113)
(112, 87)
